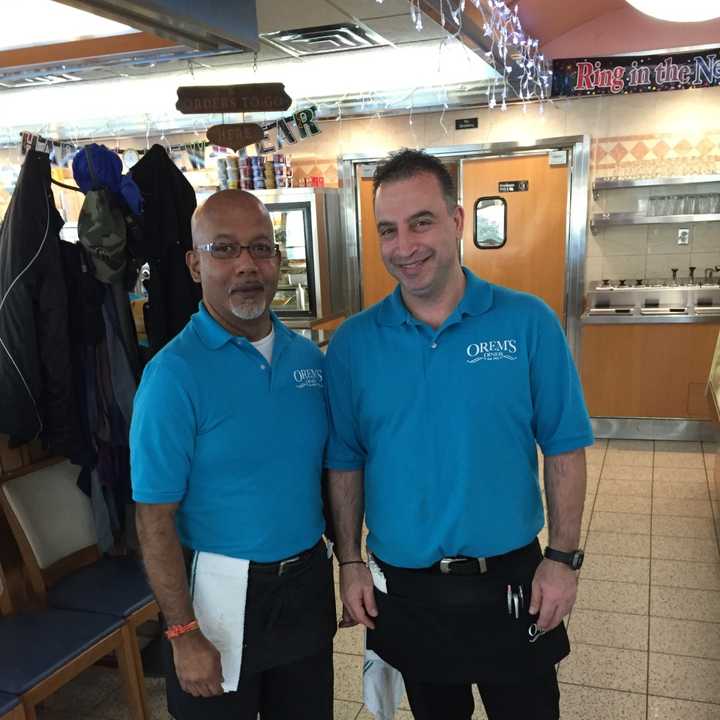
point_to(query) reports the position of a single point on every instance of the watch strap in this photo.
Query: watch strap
(573, 559)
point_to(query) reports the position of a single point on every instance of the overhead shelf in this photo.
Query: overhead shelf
(602, 220)
(653, 182)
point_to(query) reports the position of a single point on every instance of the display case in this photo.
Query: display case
(307, 228)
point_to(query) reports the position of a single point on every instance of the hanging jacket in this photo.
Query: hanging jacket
(169, 202)
(36, 386)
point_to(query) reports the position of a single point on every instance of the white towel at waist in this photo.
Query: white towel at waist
(219, 592)
(383, 685)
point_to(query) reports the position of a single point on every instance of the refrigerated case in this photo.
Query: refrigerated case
(315, 260)
(307, 228)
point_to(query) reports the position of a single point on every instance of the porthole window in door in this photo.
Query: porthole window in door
(490, 223)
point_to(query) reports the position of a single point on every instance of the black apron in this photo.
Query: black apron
(288, 617)
(457, 628)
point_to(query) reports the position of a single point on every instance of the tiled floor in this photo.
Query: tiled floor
(646, 626)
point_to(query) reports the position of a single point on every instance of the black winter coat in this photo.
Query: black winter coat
(169, 202)
(36, 388)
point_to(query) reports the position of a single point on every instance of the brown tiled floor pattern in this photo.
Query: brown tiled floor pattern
(646, 626)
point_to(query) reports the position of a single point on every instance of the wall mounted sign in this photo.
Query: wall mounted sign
(557, 157)
(636, 74)
(288, 130)
(513, 186)
(254, 97)
(235, 136)
(466, 123)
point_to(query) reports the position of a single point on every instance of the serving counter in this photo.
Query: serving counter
(648, 369)
(647, 347)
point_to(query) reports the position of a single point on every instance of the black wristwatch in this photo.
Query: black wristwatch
(574, 559)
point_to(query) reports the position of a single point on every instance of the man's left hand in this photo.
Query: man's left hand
(554, 588)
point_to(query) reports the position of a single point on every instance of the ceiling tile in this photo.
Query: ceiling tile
(400, 29)
(364, 9)
(276, 15)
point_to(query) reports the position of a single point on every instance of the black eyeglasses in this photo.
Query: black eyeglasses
(228, 250)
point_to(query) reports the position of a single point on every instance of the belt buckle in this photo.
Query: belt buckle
(446, 564)
(284, 564)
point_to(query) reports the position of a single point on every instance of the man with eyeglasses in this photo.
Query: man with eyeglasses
(223, 500)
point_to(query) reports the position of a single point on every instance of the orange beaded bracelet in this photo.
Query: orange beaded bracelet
(176, 630)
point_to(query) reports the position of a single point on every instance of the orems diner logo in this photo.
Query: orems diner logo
(491, 350)
(308, 377)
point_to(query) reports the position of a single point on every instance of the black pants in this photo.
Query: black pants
(532, 698)
(302, 690)
(287, 656)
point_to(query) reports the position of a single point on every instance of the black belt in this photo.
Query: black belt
(464, 565)
(280, 567)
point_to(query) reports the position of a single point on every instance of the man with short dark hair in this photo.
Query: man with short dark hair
(251, 630)
(438, 396)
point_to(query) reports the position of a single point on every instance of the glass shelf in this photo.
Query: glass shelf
(601, 220)
(599, 185)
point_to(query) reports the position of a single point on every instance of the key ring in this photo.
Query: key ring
(535, 632)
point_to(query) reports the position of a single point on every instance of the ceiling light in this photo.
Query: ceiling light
(430, 65)
(677, 11)
(42, 22)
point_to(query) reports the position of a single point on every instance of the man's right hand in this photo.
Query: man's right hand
(358, 594)
(197, 665)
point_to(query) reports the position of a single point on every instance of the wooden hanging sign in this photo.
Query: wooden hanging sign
(257, 97)
(235, 136)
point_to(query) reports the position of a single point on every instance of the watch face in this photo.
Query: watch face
(577, 559)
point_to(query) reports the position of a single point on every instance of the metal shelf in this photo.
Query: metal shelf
(599, 185)
(601, 220)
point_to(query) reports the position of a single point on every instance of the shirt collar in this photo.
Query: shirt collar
(476, 300)
(478, 296)
(214, 336)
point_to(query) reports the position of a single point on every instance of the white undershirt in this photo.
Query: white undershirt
(265, 346)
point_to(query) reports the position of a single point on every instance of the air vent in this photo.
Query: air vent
(110, 67)
(325, 39)
(39, 81)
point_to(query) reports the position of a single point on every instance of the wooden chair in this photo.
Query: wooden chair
(53, 525)
(10, 708)
(44, 650)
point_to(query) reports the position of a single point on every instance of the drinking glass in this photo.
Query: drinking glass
(690, 204)
(705, 204)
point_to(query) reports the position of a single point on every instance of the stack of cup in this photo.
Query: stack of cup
(233, 172)
(222, 173)
(279, 168)
(288, 172)
(258, 172)
(245, 167)
(269, 175)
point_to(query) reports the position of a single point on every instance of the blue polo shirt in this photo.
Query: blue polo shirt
(445, 422)
(237, 442)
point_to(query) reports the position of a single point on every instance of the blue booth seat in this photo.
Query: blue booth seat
(93, 601)
(10, 703)
(114, 586)
(36, 644)
(42, 650)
